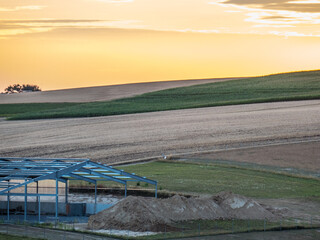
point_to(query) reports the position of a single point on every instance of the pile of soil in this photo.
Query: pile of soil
(151, 214)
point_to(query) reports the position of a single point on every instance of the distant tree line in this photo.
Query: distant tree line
(20, 88)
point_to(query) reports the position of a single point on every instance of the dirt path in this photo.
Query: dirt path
(129, 137)
(102, 93)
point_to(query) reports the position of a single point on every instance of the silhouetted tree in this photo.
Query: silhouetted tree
(20, 88)
(28, 87)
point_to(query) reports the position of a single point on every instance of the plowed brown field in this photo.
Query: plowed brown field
(128, 137)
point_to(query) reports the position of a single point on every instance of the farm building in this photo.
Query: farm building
(23, 177)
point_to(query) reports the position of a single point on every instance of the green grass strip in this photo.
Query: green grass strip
(191, 178)
(12, 237)
(211, 179)
(7, 110)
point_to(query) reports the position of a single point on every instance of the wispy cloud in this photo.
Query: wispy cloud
(37, 21)
(278, 14)
(283, 17)
(297, 6)
(272, 26)
(277, 17)
(21, 26)
(19, 8)
(293, 34)
(6, 33)
(115, 1)
(188, 30)
(48, 23)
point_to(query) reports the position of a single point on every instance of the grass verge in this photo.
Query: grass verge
(12, 237)
(7, 110)
(279, 87)
(218, 227)
(194, 178)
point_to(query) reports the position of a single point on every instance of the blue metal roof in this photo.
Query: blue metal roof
(61, 169)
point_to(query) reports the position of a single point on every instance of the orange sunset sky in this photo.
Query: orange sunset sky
(76, 43)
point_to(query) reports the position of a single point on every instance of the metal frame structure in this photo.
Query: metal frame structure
(13, 170)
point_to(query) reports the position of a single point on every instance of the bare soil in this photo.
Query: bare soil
(301, 155)
(310, 234)
(115, 139)
(101, 93)
(143, 214)
(305, 210)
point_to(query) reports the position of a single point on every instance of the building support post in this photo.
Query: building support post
(95, 197)
(39, 208)
(66, 192)
(156, 191)
(57, 198)
(8, 209)
(25, 200)
(37, 189)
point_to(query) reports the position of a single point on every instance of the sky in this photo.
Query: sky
(78, 43)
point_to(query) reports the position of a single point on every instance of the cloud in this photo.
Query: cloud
(44, 21)
(277, 17)
(311, 6)
(21, 26)
(293, 34)
(18, 26)
(277, 12)
(192, 30)
(116, 1)
(6, 33)
(273, 26)
(283, 17)
(47, 23)
(19, 8)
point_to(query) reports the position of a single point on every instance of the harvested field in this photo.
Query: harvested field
(102, 93)
(145, 214)
(116, 139)
(301, 155)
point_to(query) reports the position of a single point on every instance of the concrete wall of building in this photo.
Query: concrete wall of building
(46, 208)
(49, 208)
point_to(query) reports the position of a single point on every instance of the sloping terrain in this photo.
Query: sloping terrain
(272, 88)
(101, 93)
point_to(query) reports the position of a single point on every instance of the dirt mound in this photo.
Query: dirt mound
(151, 214)
(240, 207)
